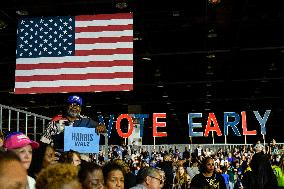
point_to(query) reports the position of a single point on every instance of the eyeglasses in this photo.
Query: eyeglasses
(161, 180)
(74, 104)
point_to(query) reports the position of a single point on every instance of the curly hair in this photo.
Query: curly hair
(58, 175)
(7, 156)
(67, 157)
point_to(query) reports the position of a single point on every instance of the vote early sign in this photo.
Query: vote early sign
(81, 139)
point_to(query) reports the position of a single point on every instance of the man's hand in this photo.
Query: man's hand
(101, 128)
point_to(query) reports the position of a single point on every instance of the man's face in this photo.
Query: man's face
(73, 110)
(154, 182)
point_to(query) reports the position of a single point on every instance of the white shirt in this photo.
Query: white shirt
(31, 183)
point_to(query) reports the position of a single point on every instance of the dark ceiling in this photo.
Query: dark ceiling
(189, 56)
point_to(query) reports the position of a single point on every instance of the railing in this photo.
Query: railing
(190, 147)
(33, 125)
(13, 119)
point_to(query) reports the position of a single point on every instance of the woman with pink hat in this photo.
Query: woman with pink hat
(23, 147)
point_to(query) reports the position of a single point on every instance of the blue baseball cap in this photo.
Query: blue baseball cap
(75, 99)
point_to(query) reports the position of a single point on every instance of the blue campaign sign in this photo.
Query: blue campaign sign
(81, 139)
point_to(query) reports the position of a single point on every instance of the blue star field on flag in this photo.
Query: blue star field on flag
(46, 37)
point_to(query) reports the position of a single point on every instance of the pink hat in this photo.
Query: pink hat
(18, 140)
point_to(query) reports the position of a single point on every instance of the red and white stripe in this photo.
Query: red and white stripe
(103, 60)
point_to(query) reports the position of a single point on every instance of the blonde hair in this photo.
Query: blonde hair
(2, 135)
(58, 175)
(181, 179)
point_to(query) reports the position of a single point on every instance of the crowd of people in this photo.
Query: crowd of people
(37, 166)
(28, 164)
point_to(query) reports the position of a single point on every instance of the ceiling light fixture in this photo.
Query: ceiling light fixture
(2, 24)
(22, 12)
(121, 4)
(212, 34)
(214, 2)
(264, 80)
(157, 73)
(208, 95)
(210, 55)
(137, 36)
(209, 71)
(272, 67)
(165, 95)
(176, 13)
(146, 58)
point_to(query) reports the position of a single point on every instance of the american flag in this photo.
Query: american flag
(87, 53)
